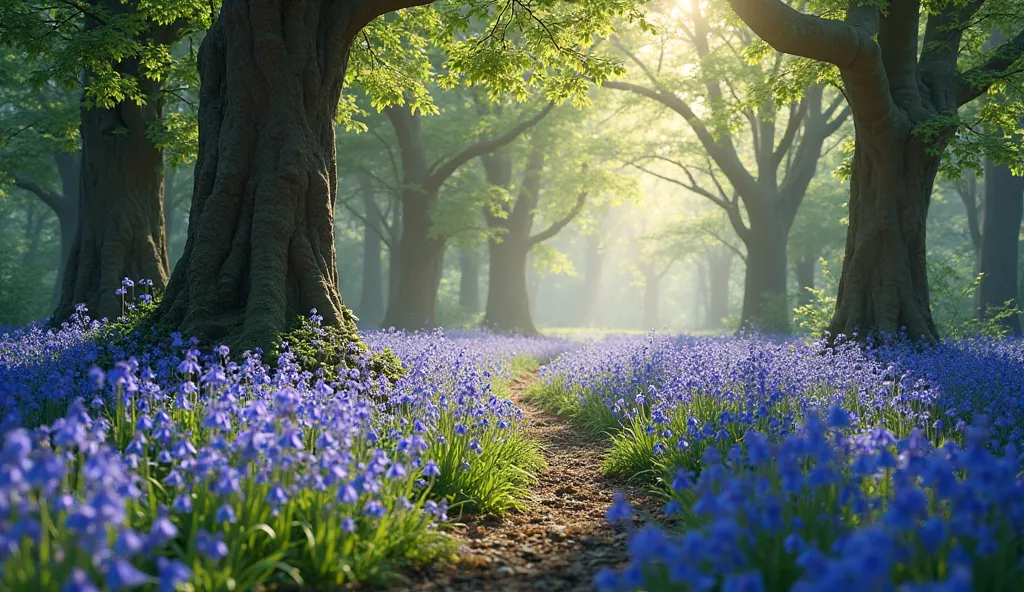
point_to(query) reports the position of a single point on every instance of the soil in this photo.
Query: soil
(562, 540)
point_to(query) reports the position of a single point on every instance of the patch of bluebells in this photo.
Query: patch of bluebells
(174, 466)
(789, 466)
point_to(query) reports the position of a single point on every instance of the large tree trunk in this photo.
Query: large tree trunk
(371, 298)
(508, 298)
(764, 289)
(884, 282)
(469, 281)
(120, 227)
(805, 268)
(593, 265)
(652, 298)
(260, 249)
(719, 277)
(1003, 207)
(420, 266)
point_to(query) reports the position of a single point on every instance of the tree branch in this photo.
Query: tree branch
(55, 201)
(849, 45)
(1002, 62)
(440, 171)
(726, 159)
(796, 116)
(557, 227)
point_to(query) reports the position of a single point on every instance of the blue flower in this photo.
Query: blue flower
(171, 574)
(122, 575)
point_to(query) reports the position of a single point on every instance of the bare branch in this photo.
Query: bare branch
(557, 226)
(440, 171)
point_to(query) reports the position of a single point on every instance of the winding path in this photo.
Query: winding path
(562, 540)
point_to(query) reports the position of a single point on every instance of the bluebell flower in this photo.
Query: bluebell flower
(78, 581)
(171, 574)
(119, 575)
(225, 513)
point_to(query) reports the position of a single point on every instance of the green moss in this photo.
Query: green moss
(330, 349)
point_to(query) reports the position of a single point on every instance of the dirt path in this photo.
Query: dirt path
(562, 540)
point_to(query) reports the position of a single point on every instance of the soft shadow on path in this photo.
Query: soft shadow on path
(563, 539)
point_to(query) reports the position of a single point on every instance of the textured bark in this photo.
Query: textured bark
(895, 85)
(469, 281)
(593, 270)
(1003, 207)
(260, 249)
(719, 276)
(884, 282)
(371, 298)
(805, 268)
(120, 227)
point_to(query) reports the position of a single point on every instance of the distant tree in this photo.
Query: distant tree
(905, 93)
(260, 250)
(120, 52)
(762, 194)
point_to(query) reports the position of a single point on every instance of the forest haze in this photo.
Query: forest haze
(654, 165)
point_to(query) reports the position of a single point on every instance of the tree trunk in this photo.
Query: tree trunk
(260, 249)
(764, 289)
(371, 299)
(420, 266)
(652, 297)
(805, 268)
(469, 281)
(508, 298)
(719, 277)
(1003, 207)
(884, 282)
(120, 227)
(593, 270)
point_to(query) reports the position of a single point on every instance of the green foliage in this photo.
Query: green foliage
(329, 350)
(815, 316)
(954, 295)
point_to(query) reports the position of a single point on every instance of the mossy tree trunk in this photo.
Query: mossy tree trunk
(260, 249)
(120, 227)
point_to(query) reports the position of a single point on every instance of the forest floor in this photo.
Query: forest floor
(562, 539)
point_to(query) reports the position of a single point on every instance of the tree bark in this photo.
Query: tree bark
(371, 299)
(120, 227)
(903, 95)
(508, 299)
(1003, 207)
(719, 276)
(884, 282)
(593, 265)
(764, 289)
(260, 250)
(469, 281)
(805, 268)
